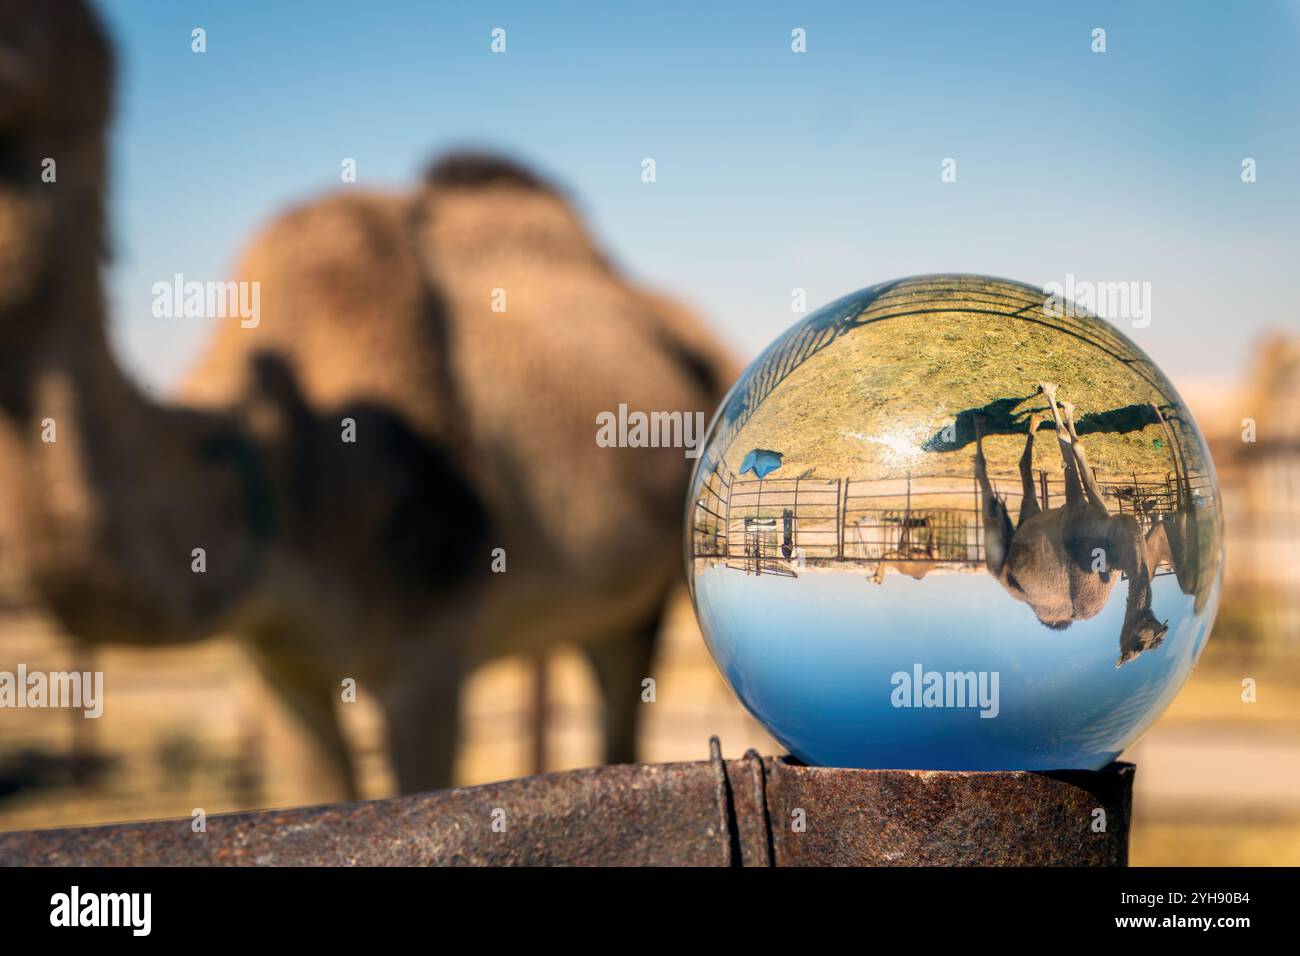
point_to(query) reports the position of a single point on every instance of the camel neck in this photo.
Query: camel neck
(116, 492)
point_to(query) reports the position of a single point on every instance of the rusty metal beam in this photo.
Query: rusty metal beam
(921, 818)
(756, 811)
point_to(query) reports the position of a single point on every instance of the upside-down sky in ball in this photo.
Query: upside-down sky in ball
(992, 540)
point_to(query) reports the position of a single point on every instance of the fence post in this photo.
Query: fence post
(726, 548)
(794, 520)
(841, 515)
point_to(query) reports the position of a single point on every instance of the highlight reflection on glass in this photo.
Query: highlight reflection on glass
(951, 523)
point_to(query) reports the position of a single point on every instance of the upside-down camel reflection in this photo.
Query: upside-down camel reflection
(1064, 561)
(1180, 539)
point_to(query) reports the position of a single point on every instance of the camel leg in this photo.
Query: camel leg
(1141, 630)
(993, 511)
(1090, 487)
(1074, 496)
(620, 666)
(1028, 495)
(422, 711)
(310, 698)
(1159, 550)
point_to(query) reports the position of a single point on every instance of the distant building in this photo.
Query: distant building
(1254, 435)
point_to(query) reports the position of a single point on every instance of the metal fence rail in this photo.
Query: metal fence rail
(778, 525)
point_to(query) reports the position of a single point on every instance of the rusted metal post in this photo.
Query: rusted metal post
(756, 811)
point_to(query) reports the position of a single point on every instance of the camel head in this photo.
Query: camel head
(55, 82)
(1144, 633)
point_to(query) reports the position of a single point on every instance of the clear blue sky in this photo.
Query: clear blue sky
(775, 170)
(812, 657)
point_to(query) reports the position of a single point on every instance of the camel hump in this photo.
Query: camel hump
(485, 209)
(336, 278)
(341, 226)
(481, 211)
(470, 169)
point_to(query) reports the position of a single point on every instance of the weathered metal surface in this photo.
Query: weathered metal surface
(654, 814)
(712, 813)
(920, 818)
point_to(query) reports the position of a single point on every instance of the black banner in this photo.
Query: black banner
(443, 906)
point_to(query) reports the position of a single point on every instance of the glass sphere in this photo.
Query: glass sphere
(954, 523)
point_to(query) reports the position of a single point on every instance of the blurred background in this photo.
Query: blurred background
(776, 171)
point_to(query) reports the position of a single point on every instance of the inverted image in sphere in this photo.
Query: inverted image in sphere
(954, 523)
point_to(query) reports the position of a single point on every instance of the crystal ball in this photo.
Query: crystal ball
(954, 523)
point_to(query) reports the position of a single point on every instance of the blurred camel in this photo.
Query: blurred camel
(474, 430)
(1050, 558)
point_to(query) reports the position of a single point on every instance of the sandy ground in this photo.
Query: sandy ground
(196, 727)
(1218, 779)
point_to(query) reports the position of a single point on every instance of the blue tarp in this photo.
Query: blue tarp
(761, 461)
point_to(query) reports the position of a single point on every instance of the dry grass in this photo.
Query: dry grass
(867, 405)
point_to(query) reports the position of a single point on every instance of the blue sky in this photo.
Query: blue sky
(812, 658)
(775, 170)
